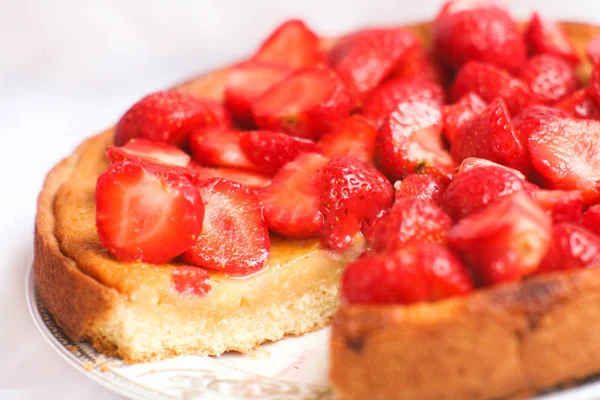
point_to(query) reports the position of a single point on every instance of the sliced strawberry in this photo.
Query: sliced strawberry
(490, 135)
(422, 186)
(147, 150)
(249, 179)
(592, 49)
(562, 206)
(245, 83)
(234, 238)
(291, 203)
(489, 82)
(420, 64)
(387, 97)
(550, 78)
(506, 241)
(474, 189)
(292, 45)
(594, 86)
(354, 136)
(306, 104)
(219, 148)
(222, 117)
(366, 58)
(573, 247)
(458, 114)
(548, 37)
(424, 272)
(474, 162)
(479, 31)
(189, 280)
(352, 194)
(580, 104)
(146, 213)
(411, 220)
(410, 141)
(565, 152)
(531, 118)
(591, 219)
(269, 151)
(167, 117)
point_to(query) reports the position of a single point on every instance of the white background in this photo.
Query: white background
(70, 68)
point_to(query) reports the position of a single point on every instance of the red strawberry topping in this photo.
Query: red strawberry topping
(167, 117)
(504, 242)
(424, 272)
(419, 64)
(550, 78)
(146, 213)
(573, 247)
(422, 186)
(591, 219)
(249, 179)
(458, 114)
(548, 37)
(150, 151)
(190, 280)
(352, 194)
(354, 136)
(562, 206)
(219, 148)
(292, 45)
(291, 203)
(580, 104)
(234, 238)
(366, 58)
(306, 104)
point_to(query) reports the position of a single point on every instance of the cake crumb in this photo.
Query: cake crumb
(72, 348)
(88, 365)
(259, 353)
(103, 367)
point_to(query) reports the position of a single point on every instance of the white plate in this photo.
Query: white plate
(293, 368)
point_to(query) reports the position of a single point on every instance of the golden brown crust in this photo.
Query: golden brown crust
(497, 343)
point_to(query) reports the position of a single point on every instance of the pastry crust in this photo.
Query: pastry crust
(501, 342)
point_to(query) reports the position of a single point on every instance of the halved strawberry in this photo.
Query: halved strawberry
(146, 213)
(470, 163)
(580, 104)
(245, 83)
(167, 117)
(354, 136)
(249, 179)
(474, 189)
(490, 82)
(531, 118)
(548, 37)
(234, 239)
(352, 194)
(219, 148)
(306, 104)
(411, 220)
(147, 150)
(506, 241)
(566, 153)
(591, 219)
(490, 135)
(189, 280)
(422, 186)
(562, 206)
(550, 78)
(366, 58)
(459, 113)
(387, 97)
(420, 64)
(573, 247)
(592, 49)
(292, 45)
(479, 31)
(423, 272)
(410, 141)
(291, 203)
(269, 151)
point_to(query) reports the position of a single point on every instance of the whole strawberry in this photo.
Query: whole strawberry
(481, 31)
(352, 194)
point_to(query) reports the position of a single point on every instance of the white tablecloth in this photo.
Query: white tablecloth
(70, 68)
